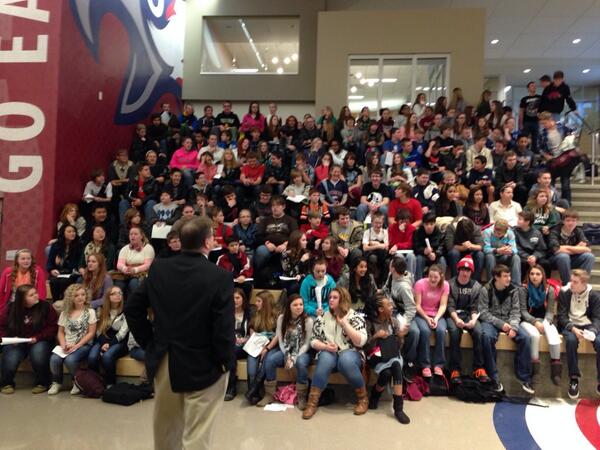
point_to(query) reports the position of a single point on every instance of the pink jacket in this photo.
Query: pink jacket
(182, 159)
(248, 123)
(6, 284)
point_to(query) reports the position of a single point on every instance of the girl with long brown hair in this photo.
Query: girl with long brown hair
(96, 278)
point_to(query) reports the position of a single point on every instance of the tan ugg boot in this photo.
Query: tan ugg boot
(312, 404)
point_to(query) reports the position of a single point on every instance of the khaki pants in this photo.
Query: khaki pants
(185, 420)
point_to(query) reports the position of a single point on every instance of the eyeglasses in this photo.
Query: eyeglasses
(116, 293)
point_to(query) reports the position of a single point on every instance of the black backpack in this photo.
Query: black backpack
(592, 233)
(127, 394)
(471, 390)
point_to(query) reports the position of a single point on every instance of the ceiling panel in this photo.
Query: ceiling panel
(549, 24)
(586, 24)
(533, 40)
(506, 26)
(518, 8)
(562, 8)
(587, 40)
(562, 52)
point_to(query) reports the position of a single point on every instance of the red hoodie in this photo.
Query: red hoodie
(319, 233)
(49, 328)
(403, 240)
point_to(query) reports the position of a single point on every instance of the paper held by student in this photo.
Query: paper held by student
(255, 344)
(15, 340)
(551, 333)
(160, 231)
(58, 350)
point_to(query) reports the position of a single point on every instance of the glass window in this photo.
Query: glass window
(391, 81)
(250, 45)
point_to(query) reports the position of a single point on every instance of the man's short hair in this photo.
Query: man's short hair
(501, 225)
(527, 216)
(558, 74)
(266, 189)
(399, 264)
(173, 234)
(429, 217)
(482, 159)
(343, 211)
(499, 269)
(277, 200)
(545, 115)
(545, 77)
(572, 213)
(193, 232)
(582, 274)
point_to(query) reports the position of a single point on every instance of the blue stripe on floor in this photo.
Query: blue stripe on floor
(511, 427)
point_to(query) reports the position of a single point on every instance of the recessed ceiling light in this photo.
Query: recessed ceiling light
(371, 83)
(426, 88)
(585, 71)
(294, 56)
(507, 88)
(576, 41)
(419, 88)
(274, 59)
(362, 81)
(389, 80)
(280, 70)
(494, 41)
(353, 89)
(526, 70)
(358, 75)
(287, 60)
(356, 97)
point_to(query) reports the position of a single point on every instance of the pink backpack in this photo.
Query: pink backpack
(286, 394)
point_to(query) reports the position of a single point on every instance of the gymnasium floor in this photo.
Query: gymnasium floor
(39, 422)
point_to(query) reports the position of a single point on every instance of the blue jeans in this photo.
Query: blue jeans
(129, 285)
(424, 355)
(124, 205)
(411, 342)
(454, 256)
(262, 255)
(188, 177)
(571, 344)
(39, 355)
(422, 262)
(108, 358)
(275, 359)
(362, 211)
(255, 368)
(565, 262)
(138, 353)
(454, 362)
(72, 362)
(489, 338)
(347, 362)
(512, 261)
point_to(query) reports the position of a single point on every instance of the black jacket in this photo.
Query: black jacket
(193, 320)
(554, 97)
(435, 240)
(564, 306)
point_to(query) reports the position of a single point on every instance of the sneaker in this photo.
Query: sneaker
(497, 386)
(426, 372)
(55, 388)
(573, 388)
(75, 390)
(39, 389)
(527, 387)
(455, 377)
(8, 389)
(438, 371)
(481, 375)
(408, 372)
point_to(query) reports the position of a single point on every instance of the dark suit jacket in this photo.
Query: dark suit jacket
(192, 300)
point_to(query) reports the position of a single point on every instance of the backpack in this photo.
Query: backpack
(471, 390)
(438, 386)
(126, 394)
(416, 390)
(89, 382)
(592, 233)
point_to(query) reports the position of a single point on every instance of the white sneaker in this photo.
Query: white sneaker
(75, 390)
(55, 388)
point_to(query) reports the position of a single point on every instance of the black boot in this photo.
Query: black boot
(254, 393)
(374, 398)
(399, 410)
(231, 387)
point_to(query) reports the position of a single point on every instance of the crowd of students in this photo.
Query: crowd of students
(382, 232)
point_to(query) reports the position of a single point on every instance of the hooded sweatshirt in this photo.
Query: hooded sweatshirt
(500, 307)
(530, 242)
(401, 292)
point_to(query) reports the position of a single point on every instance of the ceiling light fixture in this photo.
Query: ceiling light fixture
(371, 83)
(358, 75)
(585, 71)
(274, 59)
(419, 88)
(389, 80)
(353, 89)
(576, 41)
(280, 70)
(507, 88)
(426, 88)
(526, 70)
(251, 41)
(494, 41)
(287, 60)
(356, 97)
(294, 56)
(362, 81)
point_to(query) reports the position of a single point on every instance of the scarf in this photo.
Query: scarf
(537, 296)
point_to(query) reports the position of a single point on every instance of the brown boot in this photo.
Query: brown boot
(301, 393)
(312, 404)
(270, 388)
(362, 401)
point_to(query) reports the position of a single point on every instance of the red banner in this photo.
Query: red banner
(29, 64)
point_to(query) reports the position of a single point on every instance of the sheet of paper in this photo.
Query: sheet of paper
(297, 198)
(589, 335)
(276, 407)
(551, 333)
(59, 351)
(255, 344)
(404, 252)
(64, 275)
(284, 278)
(160, 232)
(15, 340)
(389, 159)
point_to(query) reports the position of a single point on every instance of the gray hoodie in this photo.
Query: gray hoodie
(498, 313)
(401, 292)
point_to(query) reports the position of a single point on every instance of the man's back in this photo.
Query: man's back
(191, 299)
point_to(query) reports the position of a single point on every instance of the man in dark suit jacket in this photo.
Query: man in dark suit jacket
(190, 343)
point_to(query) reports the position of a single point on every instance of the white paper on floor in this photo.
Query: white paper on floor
(278, 407)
